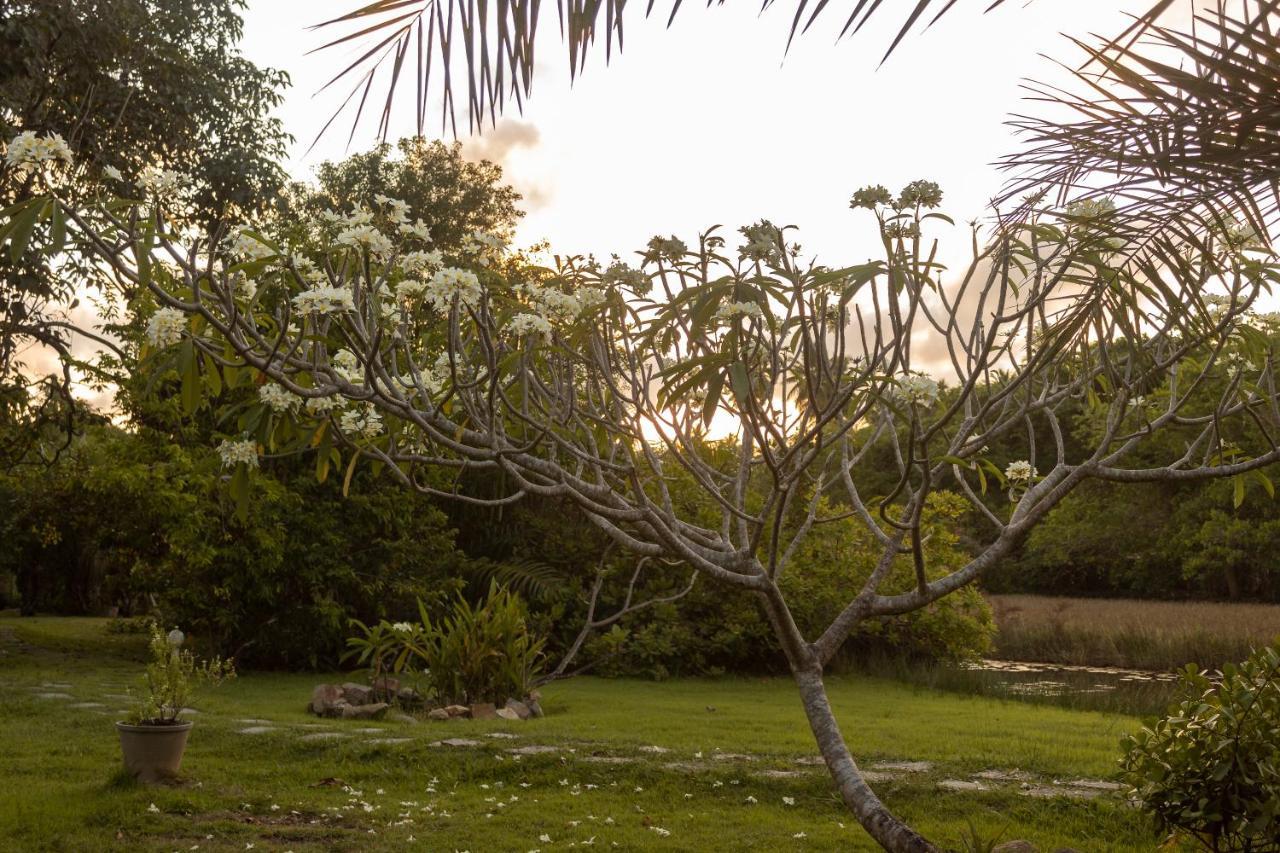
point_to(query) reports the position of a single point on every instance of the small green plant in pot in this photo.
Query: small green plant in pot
(154, 737)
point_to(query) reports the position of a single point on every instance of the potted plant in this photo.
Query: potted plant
(155, 736)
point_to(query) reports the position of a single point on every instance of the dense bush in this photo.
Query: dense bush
(1211, 769)
(134, 521)
(715, 629)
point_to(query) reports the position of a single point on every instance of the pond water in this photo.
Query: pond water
(1104, 687)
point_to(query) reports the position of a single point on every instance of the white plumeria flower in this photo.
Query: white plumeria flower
(153, 808)
(113, 173)
(238, 452)
(166, 326)
(788, 801)
(1021, 471)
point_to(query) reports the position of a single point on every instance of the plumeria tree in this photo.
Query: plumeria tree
(595, 383)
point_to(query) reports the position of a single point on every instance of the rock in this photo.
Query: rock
(409, 697)
(365, 712)
(458, 742)
(404, 718)
(507, 714)
(389, 741)
(357, 694)
(534, 749)
(325, 698)
(534, 696)
(1015, 847)
(439, 714)
(483, 711)
(534, 706)
(521, 709)
(257, 730)
(961, 785)
(458, 710)
(385, 687)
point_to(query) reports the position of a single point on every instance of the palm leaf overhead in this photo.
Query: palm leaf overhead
(1181, 128)
(487, 46)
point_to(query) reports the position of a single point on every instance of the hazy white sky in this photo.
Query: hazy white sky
(709, 122)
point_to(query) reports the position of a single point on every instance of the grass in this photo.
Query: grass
(1153, 635)
(62, 790)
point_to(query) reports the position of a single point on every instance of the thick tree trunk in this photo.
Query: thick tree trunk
(891, 834)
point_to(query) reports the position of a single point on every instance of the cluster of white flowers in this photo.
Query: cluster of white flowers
(166, 327)
(29, 151)
(552, 303)
(422, 263)
(396, 209)
(764, 242)
(1021, 471)
(1241, 235)
(324, 300)
(527, 324)
(363, 422)
(487, 247)
(590, 297)
(159, 182)
(417, 229)
(918, 388)
(729, 310)
(324, 405)
(113, 173)
(403, 627)
(238, 452)
(276, 398)
(622, 276)
(1090, 208)
(409, 289)
(450, 283)
(365, 237)
(245, 245)
(346, 365)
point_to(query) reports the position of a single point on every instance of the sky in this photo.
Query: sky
(713, 122)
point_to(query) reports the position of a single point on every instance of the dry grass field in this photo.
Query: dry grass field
(1128, 632)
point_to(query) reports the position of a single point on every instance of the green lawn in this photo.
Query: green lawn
(60, 788)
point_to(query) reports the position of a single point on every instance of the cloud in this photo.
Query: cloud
(498, 143)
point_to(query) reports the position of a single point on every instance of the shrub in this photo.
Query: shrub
(1211, 769)
(172, 676)
(473, 653)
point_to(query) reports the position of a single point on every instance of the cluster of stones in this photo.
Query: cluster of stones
(371, 702)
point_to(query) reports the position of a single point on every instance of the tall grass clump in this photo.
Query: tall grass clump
(1151, 635)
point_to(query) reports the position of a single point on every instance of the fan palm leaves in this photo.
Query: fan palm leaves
(1181, 128)
(489, 45)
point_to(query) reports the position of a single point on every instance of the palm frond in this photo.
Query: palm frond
(490, 43)
(1181, 129)
(533, 579)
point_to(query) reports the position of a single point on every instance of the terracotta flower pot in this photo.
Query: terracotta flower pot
(153, 753)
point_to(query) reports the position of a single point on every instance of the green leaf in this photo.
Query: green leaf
(23, 224)
(1237, 493)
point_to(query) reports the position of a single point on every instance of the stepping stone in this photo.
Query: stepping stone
(460, 742)
(87, 705)
(604, 759)
(1046, 792)
(368, 730)
(389, 741)
(878, 776)
(257, 730)
(961, 785)
(904, 766)
(656, 750)
(1096, 785)
(54, 696)
(1005, 775)
(733, 756)
(780, 774)
(189, 711)
(532, 749)
(57, 685)
(318, 736)
(503, 735)
(254, 722)
(811, 761)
